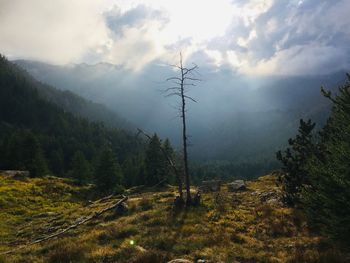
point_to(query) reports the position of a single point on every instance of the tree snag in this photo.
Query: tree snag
(185, 79)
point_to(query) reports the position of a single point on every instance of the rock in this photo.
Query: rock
(264, 197)
(122, 208)
(237, 185)
(210, 186)
(274, 201)
(178, 202)
(16, 174)
(180, 260)
(197, 199)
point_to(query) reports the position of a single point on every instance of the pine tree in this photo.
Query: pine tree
(169, 151)
(108, 174)
(154, 162)
(24, 152)
(327, 200)
(80, 168)
(294, 161)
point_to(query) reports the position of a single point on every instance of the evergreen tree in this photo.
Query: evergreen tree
(294, 161)
(131, 171)
(80, 168)
(154, 162)
(169, 151)
(108, 174)
(56, 162)
(23, 152)
(327, 200)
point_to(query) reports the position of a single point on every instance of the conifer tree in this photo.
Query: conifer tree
(169, 173)
(107, 173)
(294, 161)
(154, 162)
(81, 171)
(327, 200)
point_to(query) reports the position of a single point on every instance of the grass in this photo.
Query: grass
(227, 227)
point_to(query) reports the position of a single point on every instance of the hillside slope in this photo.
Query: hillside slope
(248, 226)
(30, 124)
(77, 105)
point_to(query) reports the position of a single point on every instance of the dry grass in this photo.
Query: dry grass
(227, 227)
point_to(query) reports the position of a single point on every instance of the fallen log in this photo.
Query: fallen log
(75, 225)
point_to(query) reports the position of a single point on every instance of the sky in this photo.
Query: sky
(249, 37)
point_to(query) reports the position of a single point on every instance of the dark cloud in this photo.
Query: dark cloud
(297, 31)
(291, 37)
(116, 20)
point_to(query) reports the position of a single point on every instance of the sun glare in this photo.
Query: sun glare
(198, 20)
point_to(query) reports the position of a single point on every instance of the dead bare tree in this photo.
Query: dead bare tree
(185, 79)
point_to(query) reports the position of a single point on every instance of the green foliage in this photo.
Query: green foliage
(294, 161)
(169, 151)
(35, 134)
(319, 173)
(108, 173)
(327, 200)
(155, 163)
(22, 151)
(81, 170)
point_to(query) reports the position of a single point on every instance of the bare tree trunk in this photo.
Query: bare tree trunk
(184, 137)
(185, 79)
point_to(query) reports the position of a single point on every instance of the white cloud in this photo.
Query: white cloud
(136, 47)
(59, 31)
(299, 60)
(252, 36)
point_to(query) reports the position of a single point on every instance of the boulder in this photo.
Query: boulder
(180, 260)
(237, 185)
(121, 208)
(210, 186)
(197, 199)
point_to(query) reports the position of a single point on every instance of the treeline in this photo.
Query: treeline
(229, 170)
(317, 169)
(39, 136)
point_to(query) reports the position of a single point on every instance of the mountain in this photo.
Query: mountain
(35, 132)
(79, 106)
(238, 119)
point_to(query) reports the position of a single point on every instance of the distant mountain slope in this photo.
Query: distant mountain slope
(30, 124)
(236, 117)
(79, 106)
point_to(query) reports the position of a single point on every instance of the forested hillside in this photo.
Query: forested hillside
(235, 128)
(39, 136)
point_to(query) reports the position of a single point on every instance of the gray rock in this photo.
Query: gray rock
(180, 260)
(122, 208)
(237, 185)
(210, 186)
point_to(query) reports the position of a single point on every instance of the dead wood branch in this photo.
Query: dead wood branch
(169, 160)
(71, 227)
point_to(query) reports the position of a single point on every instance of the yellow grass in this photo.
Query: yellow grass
(227, 227)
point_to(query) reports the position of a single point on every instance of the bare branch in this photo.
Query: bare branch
(169, 89)
(172, 78)
(173, 94)
(193, 79)
(190, 98)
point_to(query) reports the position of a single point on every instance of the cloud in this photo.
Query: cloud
(300, 60)
(134, 17)
(294, 37)
(59, 31)
(136, 36)
(259, 37)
